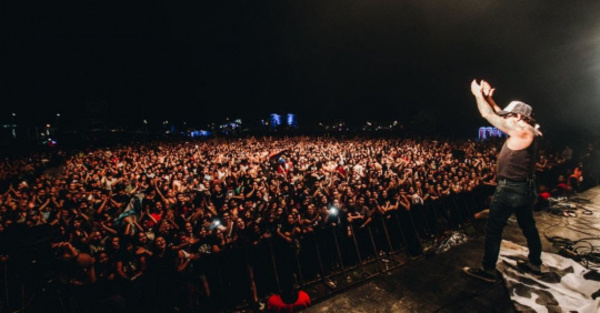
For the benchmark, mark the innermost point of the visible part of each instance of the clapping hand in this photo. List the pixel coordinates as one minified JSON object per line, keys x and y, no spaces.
{"x":476,"y":89}
{"x":486,"y":89}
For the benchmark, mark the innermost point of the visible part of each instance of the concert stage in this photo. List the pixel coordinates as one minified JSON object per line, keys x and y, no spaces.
{"x":437,"y":283}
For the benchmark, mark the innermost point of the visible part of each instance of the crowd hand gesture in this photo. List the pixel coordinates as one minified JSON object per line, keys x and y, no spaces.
{"x":127,"y":220}
{"x":142,"y":250}
{"x":193,"y":256}
{"x":69,"y":251}
{"x":387,"y":206}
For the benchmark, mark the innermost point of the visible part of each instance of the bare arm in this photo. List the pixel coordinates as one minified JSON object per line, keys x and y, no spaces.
{"x":161,"y":195}
{"x":488,"y":92}
{"x":102,"y":206}
{"x":182,"y":262}
{"x":482,"y":94}
{"x":367,"y":221}
{"x":486,"y":109}
{"x":283,"y":236}
{"x":150,"y":217}
{"x":108,"y":229}
{"x":44,"y":205}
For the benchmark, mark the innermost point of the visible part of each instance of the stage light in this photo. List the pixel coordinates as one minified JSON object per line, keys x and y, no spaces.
{"x":275,"y":120}
{"x":291,"y":120}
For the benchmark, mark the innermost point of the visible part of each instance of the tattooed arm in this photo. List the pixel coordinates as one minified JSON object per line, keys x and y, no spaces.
{"x":514,"y":127}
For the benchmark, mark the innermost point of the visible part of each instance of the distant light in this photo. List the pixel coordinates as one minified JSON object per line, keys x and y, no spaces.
{"x":47,"y":125}
{"x":291,"y":119}
{"x":57,"y":114}
{"x":275,"y":119}
{"x":14,"y":114}
{"x":145,"y":122}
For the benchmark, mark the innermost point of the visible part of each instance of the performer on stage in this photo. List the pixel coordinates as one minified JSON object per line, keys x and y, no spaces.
{"x":516,"y":191}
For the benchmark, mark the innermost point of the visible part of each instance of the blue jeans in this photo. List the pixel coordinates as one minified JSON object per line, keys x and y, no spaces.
{"x":517,"y":197}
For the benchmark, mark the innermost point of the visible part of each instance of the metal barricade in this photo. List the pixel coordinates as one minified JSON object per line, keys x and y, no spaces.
{"x":329,"y":258}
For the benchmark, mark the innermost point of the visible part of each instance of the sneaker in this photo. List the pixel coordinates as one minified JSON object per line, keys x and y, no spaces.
{"x":481,"y":274}
{"x":527,"y":267}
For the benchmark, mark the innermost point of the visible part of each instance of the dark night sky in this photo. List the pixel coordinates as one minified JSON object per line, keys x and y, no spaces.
{"x":323,"y":59}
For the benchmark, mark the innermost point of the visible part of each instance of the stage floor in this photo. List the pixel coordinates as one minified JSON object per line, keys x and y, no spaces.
{"x":438,"y":284}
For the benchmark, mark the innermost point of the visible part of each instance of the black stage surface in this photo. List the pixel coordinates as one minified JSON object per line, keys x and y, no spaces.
{"x":437,"y":283}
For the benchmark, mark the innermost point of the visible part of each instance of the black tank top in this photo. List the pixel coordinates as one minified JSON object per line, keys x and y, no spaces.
{"x":517,"y":165}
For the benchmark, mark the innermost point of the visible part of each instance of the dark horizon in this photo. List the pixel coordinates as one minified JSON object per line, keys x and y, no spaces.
{"x":325,"y":61}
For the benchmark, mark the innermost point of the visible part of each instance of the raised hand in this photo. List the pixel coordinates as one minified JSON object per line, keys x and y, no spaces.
{"x":487,"y":90}
{"x":476,"y":89}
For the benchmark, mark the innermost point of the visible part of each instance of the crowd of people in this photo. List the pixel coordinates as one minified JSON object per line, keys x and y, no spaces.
{"x":183,"y":225}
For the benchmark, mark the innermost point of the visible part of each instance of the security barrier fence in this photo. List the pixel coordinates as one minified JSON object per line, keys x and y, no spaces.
{"x":327,"y":260}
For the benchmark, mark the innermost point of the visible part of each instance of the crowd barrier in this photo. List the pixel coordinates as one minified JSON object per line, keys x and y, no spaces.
{"x":328,"y":260}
